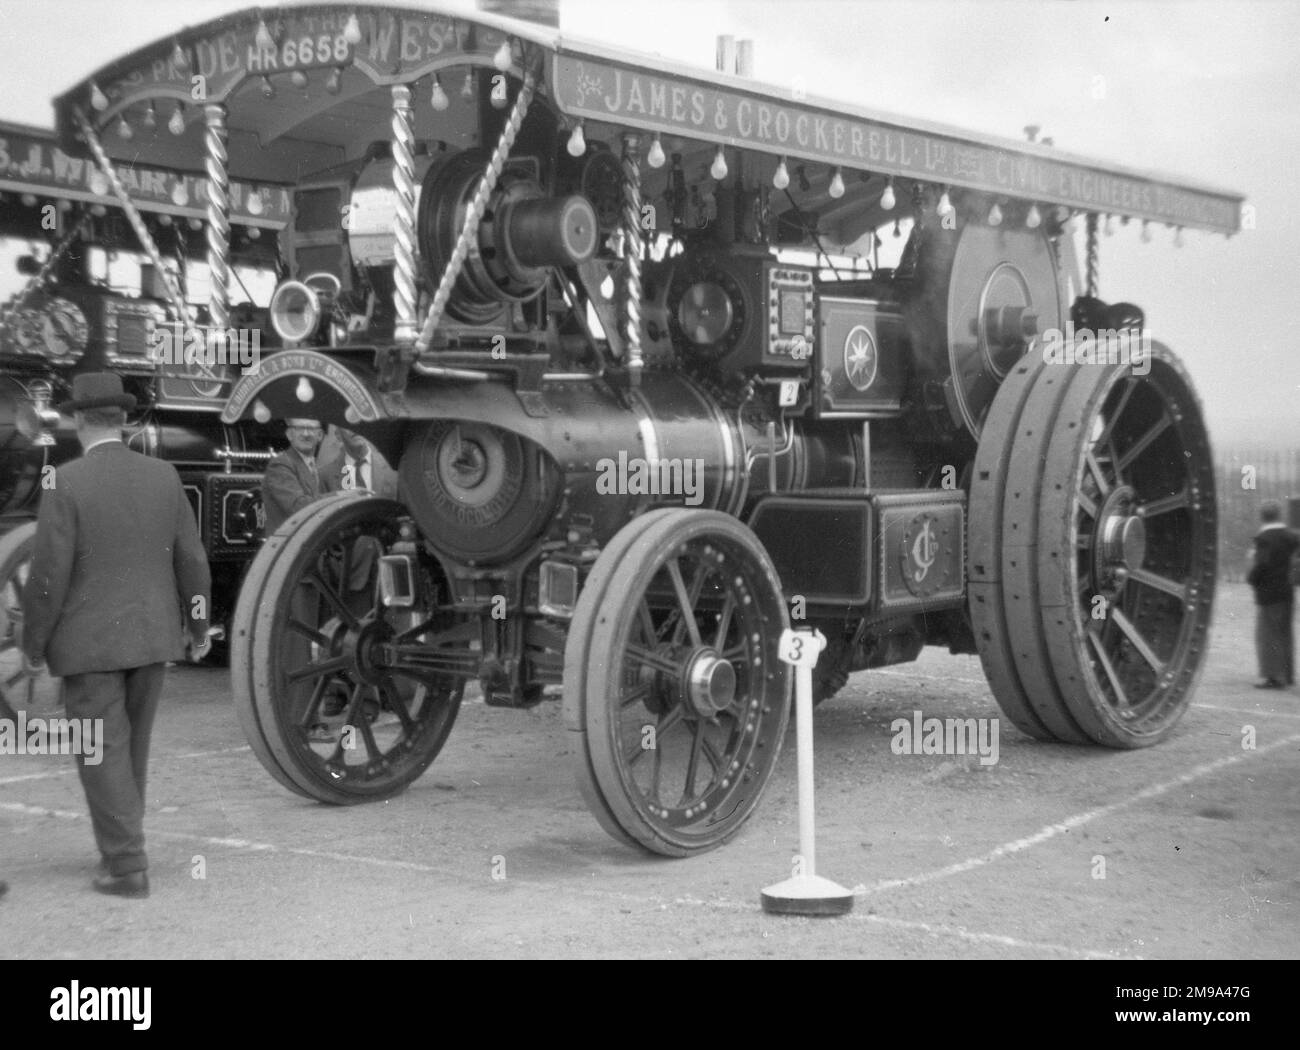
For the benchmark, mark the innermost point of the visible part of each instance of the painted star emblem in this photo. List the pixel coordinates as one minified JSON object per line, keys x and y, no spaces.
{"x":860,"y":357}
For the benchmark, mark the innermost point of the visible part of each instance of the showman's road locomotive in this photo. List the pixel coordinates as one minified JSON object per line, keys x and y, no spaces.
{"x":600,"y":313}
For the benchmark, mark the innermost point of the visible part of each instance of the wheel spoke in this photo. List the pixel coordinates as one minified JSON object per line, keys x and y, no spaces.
{"x":685,"y":602}
{"x":1086,"y":504}
{"x":1142,"y":443}
{"x":1178,"y":501}
{"x":1102,"y":658}
{"x":322,"y":667}
{"x":335,"y":602}
{"x":1158,"y":582}
{"x":668,"y":721}
{"x":307,"y":632}
{"x":653,"y":660}
{"x":724,"y":621}
{"x":715,"y":760}
{"x":1103,"y":486}
{"x":398,"y":706}
{"x":647,"y":622}
{"x":1104,"y":437}
{"x":309,"y":713}
{"x":1130,"y":631}
{"x":638,"y":694}
{"x":692,"y":765}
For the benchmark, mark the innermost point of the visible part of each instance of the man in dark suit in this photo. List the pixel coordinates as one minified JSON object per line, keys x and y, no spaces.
{"x":292,"y":480}
{"x":118,"y":578}
{"x":358,"y":466}
{"x":1270,"y":576}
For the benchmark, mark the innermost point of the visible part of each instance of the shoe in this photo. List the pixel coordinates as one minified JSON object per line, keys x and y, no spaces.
{"x":133,"y":884}
{"x":1270,"y":684}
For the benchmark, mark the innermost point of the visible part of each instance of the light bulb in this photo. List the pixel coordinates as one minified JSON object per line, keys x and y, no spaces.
{"x":97,"y":98}
{"x":335,"y":81}
{"x":64,"y":205}
{"x":29,"y":200}
{"x":264,"y":40}
{"x":176,"y":122}
{"x":897,"y":232}
{"x":151,"y":116}
{"x":438,"y":99}
{"x":1034,"y":219}
{"x":995,"y":215}
{"x":164,"y":219}
{"x":781,"y":177}
{"x":299,"y":78}
{"x":98,"y":211}
{"x":98,"y":184}
{"x":351,"y":415}
{"x":887,"y":199}
{"x":254,"y":234}
{"x":503,"y":57}
{"x":181,"y":60}
{"x":180,"y":195}
{"x":255,"y":202}
{"x":124,"y":129}
{"x":268,"y":89}
{"x":655,"y":155}
{"x":352,"y":31}
{"x":945,"y":205}
{"x":303,"y":391}
{"x":467,"y":88}
{"x":196,"y":224}
{"x":260,"y":412}
{"x":577,"y":144}
{"x":718,"y":169}
{"x":836,"y":188}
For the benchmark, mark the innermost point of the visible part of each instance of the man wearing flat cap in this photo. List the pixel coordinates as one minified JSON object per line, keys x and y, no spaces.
{"x":292,"y":479}
{"x":118,"y":579}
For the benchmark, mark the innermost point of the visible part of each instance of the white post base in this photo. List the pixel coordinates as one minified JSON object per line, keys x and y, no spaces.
{"x":807,"y":895}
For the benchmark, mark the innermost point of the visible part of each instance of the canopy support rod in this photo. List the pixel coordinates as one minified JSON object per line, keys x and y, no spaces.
{"x":214,"y":139}
{"x":404,"y":330}
{"x":1092,"y":257}
{"x":133,"y":215}
{"x":469,"y":234}
{"x":633,"y":245}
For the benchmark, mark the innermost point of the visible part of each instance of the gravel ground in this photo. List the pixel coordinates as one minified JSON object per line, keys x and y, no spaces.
{"x":492,"y":852}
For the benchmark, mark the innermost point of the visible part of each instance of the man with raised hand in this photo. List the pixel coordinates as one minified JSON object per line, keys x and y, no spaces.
{"x":292,"y":479}
{"x":118,"y":579}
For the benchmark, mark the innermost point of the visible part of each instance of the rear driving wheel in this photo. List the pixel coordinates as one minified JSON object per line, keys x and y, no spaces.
{"x":1127,"y":550}
{"x":673,"y":687}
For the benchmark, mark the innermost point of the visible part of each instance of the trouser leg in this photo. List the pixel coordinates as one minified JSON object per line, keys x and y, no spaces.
{"x":123,"y":704}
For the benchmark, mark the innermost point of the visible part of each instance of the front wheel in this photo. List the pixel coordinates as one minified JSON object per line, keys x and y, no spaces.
{"x":342,"y":699}
{"x":674,"y":693}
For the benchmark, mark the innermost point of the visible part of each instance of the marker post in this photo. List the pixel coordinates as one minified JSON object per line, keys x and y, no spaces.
{"x":806,"y":893}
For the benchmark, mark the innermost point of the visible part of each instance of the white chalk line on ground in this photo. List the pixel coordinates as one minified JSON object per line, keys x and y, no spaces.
{"x":249,"y":846}
{"x":1249,"y":711}
{"x":1075,"y":821}
{"x":161,"y":759}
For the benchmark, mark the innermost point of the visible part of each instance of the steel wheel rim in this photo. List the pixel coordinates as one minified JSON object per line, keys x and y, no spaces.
{"x":1145,"y":463}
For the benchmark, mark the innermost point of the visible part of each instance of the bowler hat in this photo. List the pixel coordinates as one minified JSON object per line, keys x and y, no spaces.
{"x":97,"y":390}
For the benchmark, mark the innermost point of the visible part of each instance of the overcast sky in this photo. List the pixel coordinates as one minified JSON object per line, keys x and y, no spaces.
{"x":1205,"y":90}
